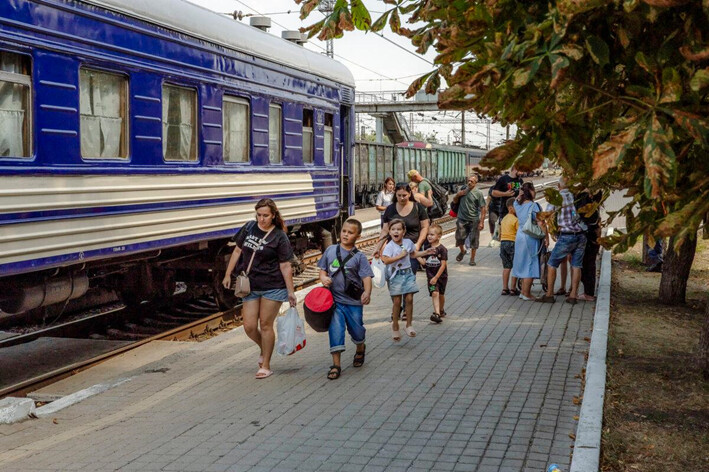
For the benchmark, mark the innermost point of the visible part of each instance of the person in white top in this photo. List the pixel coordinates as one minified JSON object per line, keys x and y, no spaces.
{"x":385,"y":197}
{"x":397,"y":256}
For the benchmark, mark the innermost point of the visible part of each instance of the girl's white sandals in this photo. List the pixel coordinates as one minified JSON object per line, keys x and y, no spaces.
{"x":409,"y":330}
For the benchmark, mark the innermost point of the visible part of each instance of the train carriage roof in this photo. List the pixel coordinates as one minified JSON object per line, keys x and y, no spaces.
{"x":193,"y":20}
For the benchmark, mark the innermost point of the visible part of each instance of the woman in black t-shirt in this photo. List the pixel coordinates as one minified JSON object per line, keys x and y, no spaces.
{"x":270,"y":277}
{"x":414,"y":216}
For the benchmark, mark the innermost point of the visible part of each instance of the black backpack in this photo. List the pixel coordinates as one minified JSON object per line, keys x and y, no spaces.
{"x":440,"y":200}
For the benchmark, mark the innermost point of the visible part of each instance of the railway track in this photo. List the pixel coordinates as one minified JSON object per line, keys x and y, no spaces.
{"x":183,"y":321}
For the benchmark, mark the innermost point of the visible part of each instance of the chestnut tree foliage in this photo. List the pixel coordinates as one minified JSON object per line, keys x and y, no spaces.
{"x":616,"y":92}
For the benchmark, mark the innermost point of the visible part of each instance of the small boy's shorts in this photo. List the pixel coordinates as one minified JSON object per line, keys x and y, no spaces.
{"x":439,"y":287}
{"x":507,"y":253}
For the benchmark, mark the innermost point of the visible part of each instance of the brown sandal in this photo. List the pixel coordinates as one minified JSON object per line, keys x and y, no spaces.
{"x":334,"y":372}
{"x":359,"y":357}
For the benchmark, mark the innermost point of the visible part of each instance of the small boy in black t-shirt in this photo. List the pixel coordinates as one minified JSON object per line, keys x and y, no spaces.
{"x":436,"y":271}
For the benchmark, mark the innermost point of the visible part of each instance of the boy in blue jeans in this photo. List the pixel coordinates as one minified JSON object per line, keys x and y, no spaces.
{"x":339,"y":263}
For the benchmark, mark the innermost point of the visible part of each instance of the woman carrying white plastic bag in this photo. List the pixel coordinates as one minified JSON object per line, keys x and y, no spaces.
{"x":291,"y":333}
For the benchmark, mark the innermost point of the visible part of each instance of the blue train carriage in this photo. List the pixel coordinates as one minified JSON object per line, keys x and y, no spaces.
{"x":136,"y":137}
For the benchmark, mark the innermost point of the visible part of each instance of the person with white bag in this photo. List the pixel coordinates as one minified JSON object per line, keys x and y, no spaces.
{"x":266,"y":259}
{"x":348,"y":275}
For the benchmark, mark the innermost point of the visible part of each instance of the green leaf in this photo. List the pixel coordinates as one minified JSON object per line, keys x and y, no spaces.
{"x":360,"y":15}
{"x":700,"y":80}
{"x":381,"y":22}
{"x":612,"y":152}
{"x":553,"y":196}
{"x":521,"y":77}
{"x":598,"y":49}
{"x":574,"y":51}
{"x":558,"y":63}
{"x":660,"y":160}
{"x":671,"y":86}
{"x":646,"y":63}
{"x":395,"y":21}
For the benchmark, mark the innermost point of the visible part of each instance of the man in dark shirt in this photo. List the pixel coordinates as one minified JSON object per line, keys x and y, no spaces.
{"x":507,"y":186}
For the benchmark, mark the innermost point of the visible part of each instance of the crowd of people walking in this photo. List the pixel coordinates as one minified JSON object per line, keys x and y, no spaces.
{"x":408,"y":241}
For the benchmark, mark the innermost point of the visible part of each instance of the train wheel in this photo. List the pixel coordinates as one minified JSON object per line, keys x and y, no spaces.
{"x":224,"y":298}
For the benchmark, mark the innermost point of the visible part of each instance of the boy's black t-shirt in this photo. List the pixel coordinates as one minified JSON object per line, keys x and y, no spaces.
{"x":265,"y":271}
{"x":433,"y":262}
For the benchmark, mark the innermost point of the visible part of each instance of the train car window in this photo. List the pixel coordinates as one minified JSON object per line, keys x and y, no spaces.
{"x":15,"y":109}
{"x":236,"y":129}
{"x":275,"y":134}
{"x":308,"y":136}
{"x":329,"y":141}
{"x":103,"y":107}
{"x":179,"y":133}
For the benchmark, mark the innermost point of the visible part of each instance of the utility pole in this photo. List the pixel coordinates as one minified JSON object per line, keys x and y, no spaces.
{"x":326,"y":7}
{"x":488,"y":134}
{"x":462,"y":128}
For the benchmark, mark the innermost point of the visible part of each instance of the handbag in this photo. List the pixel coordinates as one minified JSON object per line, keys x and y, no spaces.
{"x":242,"y":284}
{"x":532,"y":229}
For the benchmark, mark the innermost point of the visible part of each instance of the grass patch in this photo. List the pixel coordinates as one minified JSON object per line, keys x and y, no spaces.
{"x":656,"y":412}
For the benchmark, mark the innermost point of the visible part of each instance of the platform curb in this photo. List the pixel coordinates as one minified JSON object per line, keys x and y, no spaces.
{"x":587,"y":447}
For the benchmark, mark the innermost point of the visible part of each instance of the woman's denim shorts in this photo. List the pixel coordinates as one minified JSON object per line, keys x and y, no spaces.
{"x":403,"y":282}
{"x":276,"y":294}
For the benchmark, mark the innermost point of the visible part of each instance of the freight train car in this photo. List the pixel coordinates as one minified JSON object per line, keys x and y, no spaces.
{"x":136,"y":137}
{"x":445,"y":165}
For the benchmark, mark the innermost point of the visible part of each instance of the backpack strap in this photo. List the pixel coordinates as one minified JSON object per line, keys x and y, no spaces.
{"x":352,"y":253}
{"x":263,"y":240}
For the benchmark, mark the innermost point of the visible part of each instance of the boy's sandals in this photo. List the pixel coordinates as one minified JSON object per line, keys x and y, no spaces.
{"x":410,"y":332}
{"x":263,"y":373}
{"x":460,"y":256}
{"x":505,"y":291}
{"x":396,"y":334}
{"x":546,"y":299}
{"x":571,"y":300}
{"x":359,"y":357}
{"x":334,"y":372}
{"x":436,"y":318}
{"x":561,"y":291}
{"x":443,"y":313}
{"x":515,"y":293}
{"x":472,"y":263}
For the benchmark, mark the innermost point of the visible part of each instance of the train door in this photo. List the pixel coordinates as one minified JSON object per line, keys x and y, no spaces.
{"x":346,"y":162}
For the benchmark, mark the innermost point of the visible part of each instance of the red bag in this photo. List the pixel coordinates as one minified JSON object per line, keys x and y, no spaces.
{"x":319,"y":307}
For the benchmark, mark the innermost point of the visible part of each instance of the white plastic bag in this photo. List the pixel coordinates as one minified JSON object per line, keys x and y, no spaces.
{"x":380,"y":270}
{"x":291,"y":333}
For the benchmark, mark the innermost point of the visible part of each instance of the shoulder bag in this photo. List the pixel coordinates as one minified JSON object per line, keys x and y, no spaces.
{"x":354,"y":288}
{"x":532,"y":229}
{"x":242,"y":285}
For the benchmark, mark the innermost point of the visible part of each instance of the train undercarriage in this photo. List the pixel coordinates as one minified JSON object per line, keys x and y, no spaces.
{"x":197,"y":268}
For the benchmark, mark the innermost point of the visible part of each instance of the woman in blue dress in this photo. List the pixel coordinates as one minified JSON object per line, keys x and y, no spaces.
{"x":526,"y":260}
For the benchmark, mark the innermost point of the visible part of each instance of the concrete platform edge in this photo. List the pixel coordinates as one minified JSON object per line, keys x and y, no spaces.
{"x":587,"y":448}
{"x":76,"y":397}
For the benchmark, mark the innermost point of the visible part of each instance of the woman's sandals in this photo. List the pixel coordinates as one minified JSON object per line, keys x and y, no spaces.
{"x":359,"y":357}
{"x":334,"y":372}
{"x":410,"y":332}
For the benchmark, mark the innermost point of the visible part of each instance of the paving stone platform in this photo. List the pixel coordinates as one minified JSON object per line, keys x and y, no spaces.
{"x":490,"y":389}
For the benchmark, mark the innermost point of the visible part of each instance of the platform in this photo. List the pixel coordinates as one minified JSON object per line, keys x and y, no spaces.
{"x":490,"y":389}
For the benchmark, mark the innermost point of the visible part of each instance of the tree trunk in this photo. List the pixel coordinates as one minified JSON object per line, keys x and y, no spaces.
{"x":675,"y":271}
{"x":703,"y":355}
